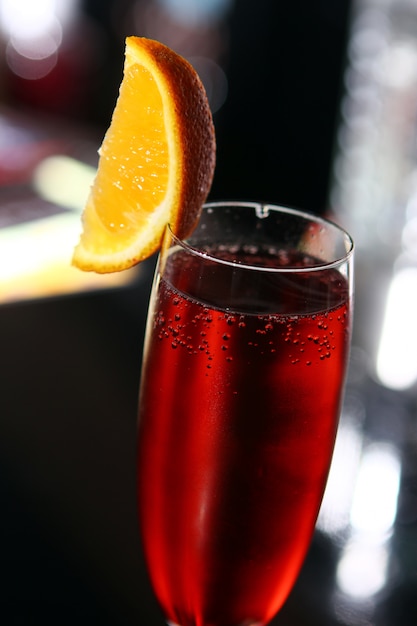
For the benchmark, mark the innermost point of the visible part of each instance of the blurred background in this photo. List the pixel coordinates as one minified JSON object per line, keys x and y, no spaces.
{"x":315,"y":106}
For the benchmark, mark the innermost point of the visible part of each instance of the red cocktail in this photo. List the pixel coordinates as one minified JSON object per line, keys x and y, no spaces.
{"x":245,"y":359}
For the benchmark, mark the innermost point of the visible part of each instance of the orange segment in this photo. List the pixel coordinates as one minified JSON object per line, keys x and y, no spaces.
{"x":156,"y":162}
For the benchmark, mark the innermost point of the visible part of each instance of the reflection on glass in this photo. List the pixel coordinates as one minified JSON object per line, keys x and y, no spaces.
{"x":396,"y":359}
{"x":363,"y":567}
{"x":335,"y":509}
{"x":375,"y":499}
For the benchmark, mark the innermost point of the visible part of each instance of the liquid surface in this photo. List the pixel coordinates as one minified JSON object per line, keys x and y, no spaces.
{"x":238,"y":415}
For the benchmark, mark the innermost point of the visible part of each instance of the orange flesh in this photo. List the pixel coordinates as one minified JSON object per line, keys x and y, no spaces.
{"x":145,"y":169}
{"x":156,"y":161}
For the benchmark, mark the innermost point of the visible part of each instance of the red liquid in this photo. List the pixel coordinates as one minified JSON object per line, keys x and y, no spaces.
{"x":238,"y":416}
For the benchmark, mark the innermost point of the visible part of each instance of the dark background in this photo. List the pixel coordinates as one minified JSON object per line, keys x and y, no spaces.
{"x":71,"y":365}
{"x":284,"y":63}
{"x":277,"y":129}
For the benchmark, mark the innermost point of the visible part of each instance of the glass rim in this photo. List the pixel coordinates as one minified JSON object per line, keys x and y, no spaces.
{"x":261,"y":209}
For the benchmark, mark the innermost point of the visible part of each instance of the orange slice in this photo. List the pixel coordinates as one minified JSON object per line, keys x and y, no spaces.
{"x":156,"y":161}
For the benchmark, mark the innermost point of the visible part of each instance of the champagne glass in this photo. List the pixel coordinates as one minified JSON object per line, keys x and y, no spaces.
{"x":244,"y":363}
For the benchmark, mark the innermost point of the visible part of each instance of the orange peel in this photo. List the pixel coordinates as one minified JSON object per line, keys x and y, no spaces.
{"x":156,"y":162}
